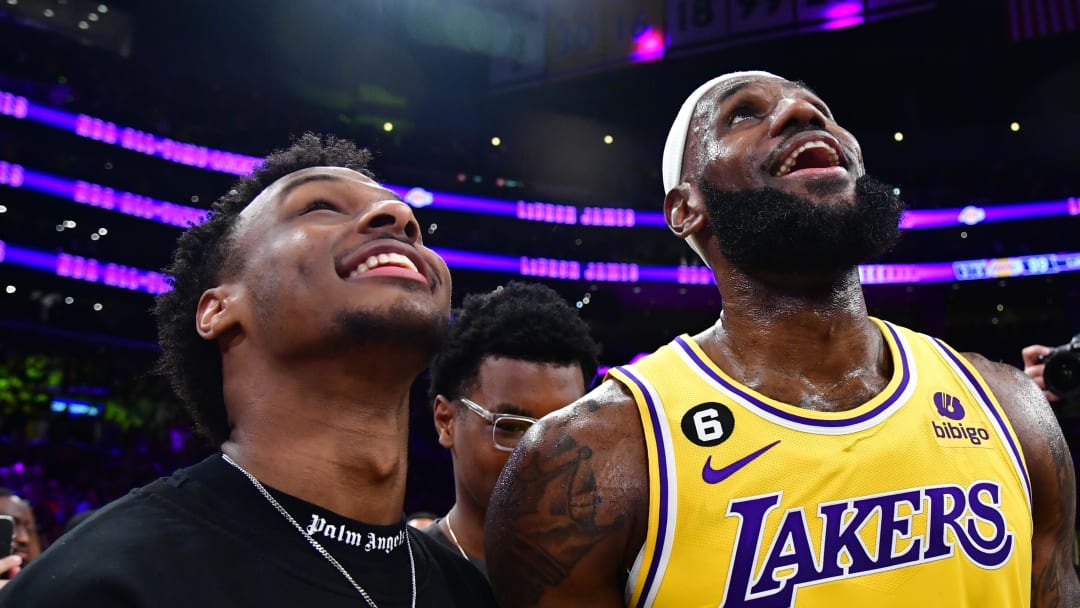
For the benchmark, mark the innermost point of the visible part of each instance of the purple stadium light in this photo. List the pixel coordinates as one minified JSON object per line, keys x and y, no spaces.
{"x":603,"y":369}
{"x":135,"y":279}
{"x":101,"y":196}
{"x":27,"y":258}
{"x":11,"y":174}
{"x":239,"y":164}
{"x":472,"y":260}
{"x":844,"y":14}
{"x":181,"y":215}
{"x":840,"y":10}
{"x":85,"y":269}
{"x":649,"y":45}
{"x":596,"y":271}
{"x":13,"y":105}
{"x":115,"y":275}
{"x":55,"y":118}
{"x":153,"y":145}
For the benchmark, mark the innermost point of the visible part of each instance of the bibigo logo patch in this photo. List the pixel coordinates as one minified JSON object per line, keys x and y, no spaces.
{"x":950,"y":431}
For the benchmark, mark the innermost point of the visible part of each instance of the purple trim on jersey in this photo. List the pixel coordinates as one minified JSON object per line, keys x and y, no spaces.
{"x":661,"y":454}
{"x":993,"y":410}
{"x":775,"y":411}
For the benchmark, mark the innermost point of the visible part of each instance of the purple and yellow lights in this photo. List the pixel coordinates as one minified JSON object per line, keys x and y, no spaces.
{"x":1022,"y":266}
{"x":228,"y":162}
{"x":128,"y":138}
{"x":588,"y":216}
{"x":971,"y":214}
{"x":13,"y":105}
{"x":137,"y":205}
{"x":113,"y":275}
{"x":547,"y":212}
{"x":418,"y":198}
{"x":85,"y":269}
{"x":167,"y":149}
{"x":11,"y":174}
{"x":649,"y":41}
{"x":649,"y":45}
{"x":599,"y":272}
{"x":549,"y":268}
{"x":148,"y":281}
{"x":844,"y":14}
{"x":694,"y":275}
{"x":181,"y":215}
{"x":103,"y":197}
{"x":619,"y":217}
{"x":612,"y":272}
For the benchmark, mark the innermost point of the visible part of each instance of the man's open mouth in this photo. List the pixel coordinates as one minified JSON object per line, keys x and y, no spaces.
{"x":808,"y":153}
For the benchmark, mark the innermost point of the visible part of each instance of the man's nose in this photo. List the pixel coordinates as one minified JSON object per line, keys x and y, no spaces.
{"x":390,"y":216}
{"x":796,"y":114}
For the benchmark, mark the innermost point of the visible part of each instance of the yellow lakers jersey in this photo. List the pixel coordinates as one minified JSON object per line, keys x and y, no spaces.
{"x":919,"y":497}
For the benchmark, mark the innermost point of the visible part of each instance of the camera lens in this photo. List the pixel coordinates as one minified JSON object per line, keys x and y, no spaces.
{"x":1062,"y":374}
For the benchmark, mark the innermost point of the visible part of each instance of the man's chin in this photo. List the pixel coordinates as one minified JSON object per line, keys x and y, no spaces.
{"x":827,"y":230}
{"x":420,"y":326}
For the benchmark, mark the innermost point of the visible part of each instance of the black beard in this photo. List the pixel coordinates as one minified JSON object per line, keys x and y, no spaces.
{"x":771,"y":231}
{"x":421,"y":332}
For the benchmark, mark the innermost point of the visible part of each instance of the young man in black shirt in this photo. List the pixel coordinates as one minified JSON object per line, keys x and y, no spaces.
{"x":301,"y":312}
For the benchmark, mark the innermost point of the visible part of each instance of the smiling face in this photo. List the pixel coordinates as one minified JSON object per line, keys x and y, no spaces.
{"x":327,"y":253}
{"x":782,"y":184}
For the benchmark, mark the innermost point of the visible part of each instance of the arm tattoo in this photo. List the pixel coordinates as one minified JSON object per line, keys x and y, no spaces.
{"x":551,"y":517}
{"x":1049,"y":587}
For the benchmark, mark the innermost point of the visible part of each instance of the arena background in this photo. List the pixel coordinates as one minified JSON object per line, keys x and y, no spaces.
{"x":122,"y":121}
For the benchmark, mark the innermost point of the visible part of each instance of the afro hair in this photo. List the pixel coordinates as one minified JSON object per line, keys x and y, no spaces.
{"x":524,"y":321}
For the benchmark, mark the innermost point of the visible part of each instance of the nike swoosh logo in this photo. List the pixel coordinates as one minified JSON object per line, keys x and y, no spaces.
{"x":711,"y":475}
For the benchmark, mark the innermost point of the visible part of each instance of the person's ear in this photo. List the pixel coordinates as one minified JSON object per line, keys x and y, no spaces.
{"x":217,"y":311}
{"x":684,"y":211}
{"x":445,"y":416}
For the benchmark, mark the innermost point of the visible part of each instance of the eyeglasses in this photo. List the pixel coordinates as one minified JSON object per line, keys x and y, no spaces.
{"x":506,"y":429}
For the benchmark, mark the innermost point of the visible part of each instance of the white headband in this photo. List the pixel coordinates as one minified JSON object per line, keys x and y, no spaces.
{"x":671,"y":170}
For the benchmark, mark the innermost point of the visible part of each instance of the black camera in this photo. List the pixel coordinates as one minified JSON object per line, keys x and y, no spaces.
{"x":1062,"y":372}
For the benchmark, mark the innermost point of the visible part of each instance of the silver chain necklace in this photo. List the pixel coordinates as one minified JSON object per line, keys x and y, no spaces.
{"x":453,"y":536}
{"x":318,"y":547}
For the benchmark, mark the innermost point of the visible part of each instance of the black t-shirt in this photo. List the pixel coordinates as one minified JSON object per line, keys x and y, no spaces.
{"x":206,"y":537}
{"x":435,"y":532}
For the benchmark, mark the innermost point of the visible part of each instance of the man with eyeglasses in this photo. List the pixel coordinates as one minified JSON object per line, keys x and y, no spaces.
{"x":512,"y":356}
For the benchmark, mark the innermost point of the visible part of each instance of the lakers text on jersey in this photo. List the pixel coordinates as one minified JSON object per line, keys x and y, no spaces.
{"x":919,"y":497}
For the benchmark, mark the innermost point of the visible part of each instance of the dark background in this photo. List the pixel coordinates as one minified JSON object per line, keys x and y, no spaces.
{"x":244,"y":75}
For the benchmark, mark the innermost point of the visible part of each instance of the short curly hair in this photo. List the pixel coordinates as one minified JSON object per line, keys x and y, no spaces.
{"x":203,"y":258}
{"x":525,"y":321}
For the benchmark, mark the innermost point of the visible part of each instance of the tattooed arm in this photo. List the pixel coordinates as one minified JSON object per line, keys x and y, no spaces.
{"x":1053,"y":485}
{"x":568,"y":515}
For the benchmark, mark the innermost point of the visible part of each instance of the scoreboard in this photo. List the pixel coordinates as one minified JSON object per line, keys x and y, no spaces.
{"x":553,"y":39}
